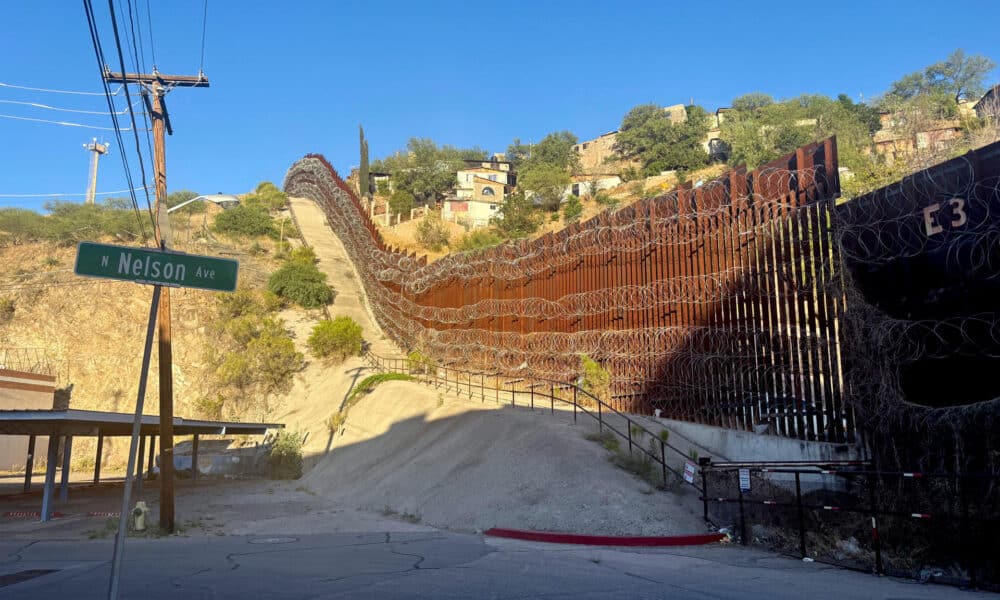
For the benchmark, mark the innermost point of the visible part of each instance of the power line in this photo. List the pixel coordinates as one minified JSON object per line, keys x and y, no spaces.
{"x":67,"y":195}
{"x":128,"y":99}
{"x":149,"y":22}
{"x":57,"y":108}
{"x":34,"y":89}
{"x":99,"y":55}
{"x":204,"y":26}
{"x":64,"y":123}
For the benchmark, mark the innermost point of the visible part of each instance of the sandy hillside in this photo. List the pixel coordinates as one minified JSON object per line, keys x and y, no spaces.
{"x":406,"y":449}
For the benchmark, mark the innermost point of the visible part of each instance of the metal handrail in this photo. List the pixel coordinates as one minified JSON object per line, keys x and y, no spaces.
{"x":405,"y":365}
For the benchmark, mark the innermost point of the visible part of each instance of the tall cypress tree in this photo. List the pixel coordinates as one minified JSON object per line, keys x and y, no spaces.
{"x":364,"y":181}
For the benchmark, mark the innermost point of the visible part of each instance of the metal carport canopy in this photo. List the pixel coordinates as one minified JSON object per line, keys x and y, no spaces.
{"x":92,"y":423}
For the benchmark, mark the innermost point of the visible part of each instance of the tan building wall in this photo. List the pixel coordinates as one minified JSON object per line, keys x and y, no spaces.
{"x":20,"y":391}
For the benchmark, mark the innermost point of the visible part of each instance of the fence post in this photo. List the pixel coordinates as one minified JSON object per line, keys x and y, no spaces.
{"x":802,"y":520}
{"x":531,"y":387}
{"x":600,"y":418}
{"x":704,"y":493}
{"x":628,"y":424}
{"x":876,"y":541}
{"x":574,"y":404}
{"x":743,"y":521}
{"x":552,"y":398}
{"x":663,"y":461}
{"x":482,"y":387}
{"x":970,"y":550}
{"x":497,"y":388}
{"x":513,"y":394}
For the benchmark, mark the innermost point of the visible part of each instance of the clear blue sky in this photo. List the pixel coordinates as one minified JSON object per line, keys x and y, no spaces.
{"x":289,"y":78}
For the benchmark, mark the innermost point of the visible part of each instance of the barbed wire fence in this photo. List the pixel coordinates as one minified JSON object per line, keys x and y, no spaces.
{"x":742,"y":303}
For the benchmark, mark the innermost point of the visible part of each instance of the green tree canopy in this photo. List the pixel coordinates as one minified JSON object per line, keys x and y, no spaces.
{"x":555,"y":150}
{"x":648,"y":135}
{"x":518,"y":217}
{"x":763,"y":133}
{"x":751,"y":101}
{"x":548,"y":181}
{"x":935,"y":91}
{"x":425,"y":170}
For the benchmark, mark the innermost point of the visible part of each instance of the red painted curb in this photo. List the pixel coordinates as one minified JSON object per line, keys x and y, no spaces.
{"x":606,"y":540}
{"x":27,"y":514}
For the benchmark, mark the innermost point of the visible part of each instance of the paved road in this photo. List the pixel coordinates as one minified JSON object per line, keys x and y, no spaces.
{"x":434,"y":564}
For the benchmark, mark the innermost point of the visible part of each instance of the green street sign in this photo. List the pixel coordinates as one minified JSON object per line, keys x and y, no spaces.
{"x":146,"y":265}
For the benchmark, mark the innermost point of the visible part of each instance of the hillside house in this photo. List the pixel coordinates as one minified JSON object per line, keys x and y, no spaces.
{"x":583,"y":185}
{"x":483,"y":183}
{"x":898,"y":138}
{"x":470,"y":212}
{"x":988,"y":106}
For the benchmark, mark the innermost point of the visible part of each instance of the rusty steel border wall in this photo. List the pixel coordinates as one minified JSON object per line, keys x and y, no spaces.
{"x":717,"y":304}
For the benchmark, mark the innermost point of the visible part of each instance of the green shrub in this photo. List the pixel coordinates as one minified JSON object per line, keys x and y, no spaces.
{"x":335,"y":421}
{"x":338,"y":338}
{"x":285,"y":459}
{"x":432,"y":233}
{"x":605,"y":438}
{"x":401,"y":202}
{"x":267,"y":196}
{"x":301,"y":283}
{"x":304,"y":255}
{"x":478,"y":239}
{"x":210,"y":408}
{"x":368,"y":384}
{"x":596,"y":379}
{"x":240,"y":303}
{"x":572,"y":209}
{"x":7,"y":307}
{"x":419,"y":362}
{"x":273,"y":357}
{"x":68,"y":223}
{"x":245,"y":220}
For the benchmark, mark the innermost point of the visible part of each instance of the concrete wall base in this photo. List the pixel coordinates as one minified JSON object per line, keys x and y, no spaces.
{"x":730,"y":445}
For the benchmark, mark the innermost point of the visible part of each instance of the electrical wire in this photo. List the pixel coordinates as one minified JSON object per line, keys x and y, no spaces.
{"x":57,"y":108}
{"x":63,"y":123}
{"x":99,"y":55}
{"x":54,"y":91}
{"x":149,"y":23}
{"x":67,"y":195}
{"x":128,"y":98}
{"x":204,"y":27}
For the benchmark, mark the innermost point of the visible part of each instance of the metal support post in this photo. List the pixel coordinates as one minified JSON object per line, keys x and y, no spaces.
{"x":876,"y":540}
{"x":802,"y":518}
{"x":743,"y":521}
{"x":194,"y":458}
{"x":67,"y":455}
{"x":152,"y":451}
{"x":50,"y":476}
{"x":704,"y":494}
{"x":116,"y":561}
{"x":139,"y":462}
{"x":574,"y":404}
{"x":29,"y":463}
{"x":99,"y":456}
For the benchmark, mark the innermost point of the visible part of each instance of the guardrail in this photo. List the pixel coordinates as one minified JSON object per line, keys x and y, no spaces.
{"x":913,"y":520}
{"x":535,"y":391}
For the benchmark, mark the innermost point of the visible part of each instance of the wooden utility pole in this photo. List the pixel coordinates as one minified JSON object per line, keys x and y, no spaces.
{"x":157,"y":85}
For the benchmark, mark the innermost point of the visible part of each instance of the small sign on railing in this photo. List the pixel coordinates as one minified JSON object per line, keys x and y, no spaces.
{"x":744,"y":480}
{"x":689,"y":470}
